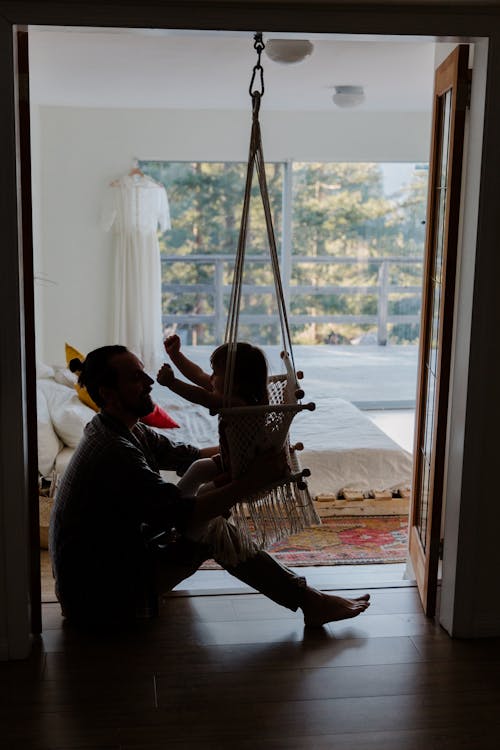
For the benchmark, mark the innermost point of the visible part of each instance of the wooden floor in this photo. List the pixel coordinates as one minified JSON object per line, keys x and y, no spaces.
{"x":237,"y":671}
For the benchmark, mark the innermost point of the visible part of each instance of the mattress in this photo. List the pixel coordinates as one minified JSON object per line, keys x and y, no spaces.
{"x":343,"y":448}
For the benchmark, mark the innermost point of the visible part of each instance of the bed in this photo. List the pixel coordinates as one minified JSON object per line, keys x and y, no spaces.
{"x":344,"y":450}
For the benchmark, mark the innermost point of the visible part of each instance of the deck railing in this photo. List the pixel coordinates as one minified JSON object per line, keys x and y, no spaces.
{"x":219,"y":292}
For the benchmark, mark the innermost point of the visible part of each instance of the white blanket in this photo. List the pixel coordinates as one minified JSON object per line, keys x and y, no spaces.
{"x":343,"y":448}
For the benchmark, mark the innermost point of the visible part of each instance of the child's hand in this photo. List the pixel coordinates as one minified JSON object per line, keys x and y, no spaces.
{"x":165,"y":375}
{"x":172,"y":345}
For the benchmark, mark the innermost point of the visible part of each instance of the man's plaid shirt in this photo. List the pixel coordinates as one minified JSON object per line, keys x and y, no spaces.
{"x":111,"y":487}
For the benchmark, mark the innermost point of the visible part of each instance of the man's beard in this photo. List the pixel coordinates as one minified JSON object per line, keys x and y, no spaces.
{"x":142,"y":407}
{"x":148,"y":405}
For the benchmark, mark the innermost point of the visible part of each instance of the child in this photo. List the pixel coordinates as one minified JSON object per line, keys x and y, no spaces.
{"x":249,"y":388}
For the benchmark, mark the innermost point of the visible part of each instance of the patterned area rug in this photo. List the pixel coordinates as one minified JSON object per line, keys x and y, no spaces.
{"x":343,"y":541}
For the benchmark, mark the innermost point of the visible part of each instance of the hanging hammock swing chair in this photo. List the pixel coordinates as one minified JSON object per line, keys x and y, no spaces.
{"x":286,"y":507}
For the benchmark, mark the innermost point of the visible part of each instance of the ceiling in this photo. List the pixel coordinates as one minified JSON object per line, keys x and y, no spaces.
{"x":211,"y":70}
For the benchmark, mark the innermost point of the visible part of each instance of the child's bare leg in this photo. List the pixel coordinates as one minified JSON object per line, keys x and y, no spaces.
{"x":200,"y":472}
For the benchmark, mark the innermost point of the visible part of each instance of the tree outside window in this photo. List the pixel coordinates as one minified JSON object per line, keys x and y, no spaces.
{"x":350,"y":240}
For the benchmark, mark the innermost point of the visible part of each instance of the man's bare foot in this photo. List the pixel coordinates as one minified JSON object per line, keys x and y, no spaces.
{"x":320,"y":608}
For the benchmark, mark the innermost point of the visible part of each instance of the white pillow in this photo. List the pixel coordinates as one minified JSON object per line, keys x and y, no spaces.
{"x":49,"y":444}
{"x":69,"y":416}
{"x":63,"y":459}
{"x":64,"y":376}
{"x":44,"y":371}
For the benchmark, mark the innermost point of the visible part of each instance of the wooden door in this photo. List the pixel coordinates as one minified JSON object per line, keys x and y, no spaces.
{"x":451,"y":85}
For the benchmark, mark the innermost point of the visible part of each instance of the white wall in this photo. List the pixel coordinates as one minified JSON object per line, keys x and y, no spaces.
{"x":36,"y":199}
{"x":82,"y":150}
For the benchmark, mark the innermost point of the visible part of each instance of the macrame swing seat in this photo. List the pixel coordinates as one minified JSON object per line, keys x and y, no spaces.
{"x":285,"y":507}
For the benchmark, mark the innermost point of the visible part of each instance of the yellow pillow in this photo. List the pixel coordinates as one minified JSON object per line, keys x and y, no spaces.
{"x":83,"y":394}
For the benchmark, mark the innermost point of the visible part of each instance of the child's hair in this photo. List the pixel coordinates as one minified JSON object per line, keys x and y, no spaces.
{"x":250,"y":371}
{"x":96,"y":370}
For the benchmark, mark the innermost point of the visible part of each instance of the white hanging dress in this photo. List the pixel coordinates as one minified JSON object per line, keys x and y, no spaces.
{"x":137,"y":207}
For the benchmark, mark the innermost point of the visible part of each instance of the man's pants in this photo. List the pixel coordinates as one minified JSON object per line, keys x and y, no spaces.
{"x":178,"y":560}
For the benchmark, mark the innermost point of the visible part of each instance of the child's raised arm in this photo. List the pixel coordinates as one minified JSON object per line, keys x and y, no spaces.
{"x":189,"y":369}
{"x":193,"y":393}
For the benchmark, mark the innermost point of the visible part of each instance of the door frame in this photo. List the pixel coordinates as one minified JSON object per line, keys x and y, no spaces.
{"x":450,"y":75}
{"x":26,"y":230}
{"x":378,"y":19}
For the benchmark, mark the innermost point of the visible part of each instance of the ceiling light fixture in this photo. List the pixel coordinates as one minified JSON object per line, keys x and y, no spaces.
{"x":348,"y":96}
{"x":288,"y":51}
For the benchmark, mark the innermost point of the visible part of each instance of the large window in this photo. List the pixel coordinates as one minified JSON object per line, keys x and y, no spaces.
{"x":351,"y":238}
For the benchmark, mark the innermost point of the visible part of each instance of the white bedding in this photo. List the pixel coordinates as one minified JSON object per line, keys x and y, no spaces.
{"x":343,"y":448}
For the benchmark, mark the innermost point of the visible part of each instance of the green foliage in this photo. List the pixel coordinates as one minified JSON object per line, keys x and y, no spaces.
{"x":339,"y":211}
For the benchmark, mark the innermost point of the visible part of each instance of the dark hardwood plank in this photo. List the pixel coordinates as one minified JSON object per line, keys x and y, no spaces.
{"x":400,"y":740}
{"x":291,"y":719}
{"x":418,"y":678}
{"x":238,"y":671}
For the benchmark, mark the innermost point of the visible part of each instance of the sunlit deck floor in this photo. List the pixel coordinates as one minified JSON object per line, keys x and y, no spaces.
{"x":371,"y":377}
{"x":381,"y":381}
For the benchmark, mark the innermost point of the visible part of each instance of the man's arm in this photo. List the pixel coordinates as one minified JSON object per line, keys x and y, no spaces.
{"x":266,"y":470}
{"x":161,"y":502}
{"x":189,"y":369}
{"x":168,"y":454}
{"x":171,"y":455}
{"x":128,"y":475}
{"x":209,"y":452}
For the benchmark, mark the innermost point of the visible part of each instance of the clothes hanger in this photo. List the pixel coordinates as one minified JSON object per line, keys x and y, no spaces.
{"x":135,"y":170}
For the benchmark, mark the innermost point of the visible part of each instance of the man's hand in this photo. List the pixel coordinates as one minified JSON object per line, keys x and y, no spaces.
{"x":269,"y":468}
{"x":172,"y":345}
{"x":165,"y":376}
{"x":217,"y":459}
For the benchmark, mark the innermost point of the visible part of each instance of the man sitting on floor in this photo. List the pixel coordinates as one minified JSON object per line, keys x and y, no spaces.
{"x":112,"y":490}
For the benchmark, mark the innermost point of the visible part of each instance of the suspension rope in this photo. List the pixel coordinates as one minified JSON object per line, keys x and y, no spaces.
{"x":255,"y":163}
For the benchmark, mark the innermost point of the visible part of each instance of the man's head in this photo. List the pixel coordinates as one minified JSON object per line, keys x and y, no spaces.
{"x":116,"y":381}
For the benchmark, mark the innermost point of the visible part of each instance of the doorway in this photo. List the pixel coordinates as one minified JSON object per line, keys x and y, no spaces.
{"x":48,"y":290}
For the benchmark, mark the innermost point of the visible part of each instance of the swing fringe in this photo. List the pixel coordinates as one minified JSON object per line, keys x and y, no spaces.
{"x":260,"y":521}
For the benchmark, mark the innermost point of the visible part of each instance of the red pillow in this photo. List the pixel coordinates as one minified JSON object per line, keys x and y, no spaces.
{"x":159,"y":418}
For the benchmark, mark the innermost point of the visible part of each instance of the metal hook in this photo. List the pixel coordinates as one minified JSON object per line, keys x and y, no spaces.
{"x":257,"y":69}
{"x":258,"y":43}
